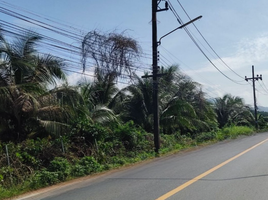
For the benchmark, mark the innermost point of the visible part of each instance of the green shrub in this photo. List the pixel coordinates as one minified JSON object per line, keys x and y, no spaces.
{"x":178,"y":146}
{"x":44,"y":178}
{"x":167,"y":140}
{"x":78,"y":170}
{"x":144,"y":156}
{"x":61,"y":166}
{"x":10,"y":176}
{"x":233,"y":132}
{"x":6,"y":193}
{"x":205,"y":137}
{"x":90,"y":132}
{"x":27,"y":159}
{"x":130,"y":135}
{"x":118,"y":161}
{"x":184,"y":140}
{"x":89,"y":165}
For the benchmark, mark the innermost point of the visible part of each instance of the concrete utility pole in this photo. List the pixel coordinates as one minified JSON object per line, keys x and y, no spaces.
{"x":155,"y":75}
{"x":155,"y":78}
{"x":254,"y":93}
{"x":155,"y":72}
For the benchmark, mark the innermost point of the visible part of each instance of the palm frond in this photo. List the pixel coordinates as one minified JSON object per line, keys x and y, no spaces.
{"x":26,"y":46}
{"x":102,"y":115}
{"x":53,"y":127}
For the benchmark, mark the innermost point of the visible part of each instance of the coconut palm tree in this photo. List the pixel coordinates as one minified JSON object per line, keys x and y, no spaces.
{"x":179,"y":100}
{"x":24,"y":76}
{"x":182,"y":99}
{"x":137,"y":105}
{"x":99,"y":98}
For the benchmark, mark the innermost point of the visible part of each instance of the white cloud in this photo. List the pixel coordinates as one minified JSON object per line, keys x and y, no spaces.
{"x":254,"y":50}
{"x":248,"y":52}
{"x":74,"y":78}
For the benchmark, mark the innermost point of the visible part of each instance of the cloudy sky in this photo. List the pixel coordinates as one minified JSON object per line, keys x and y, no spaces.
{"x":229,"y":38}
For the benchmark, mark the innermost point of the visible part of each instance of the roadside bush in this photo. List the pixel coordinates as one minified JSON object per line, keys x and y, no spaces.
{"x":37,"y":153}
{"x":7,"y":176}
{"x":130,"y":135}
{"x":87,"y":165}
{"x":5,"y":193}
{"x":28,"y":159}
{"x":44,"y":178}
{"x":89,"y":132}
{"x":61,"y":167}
{"x":104,"y":151}
{"x":14,"y":175}
{"x":78,"y":170}
{"x":118,"y":161}
{"x":205,"y":136}
{"x":183,"y":139}
{"x":39,"y":163}
{"x":168,"y":141}
{"x":58,"y":170}
{"x":233,"y":132}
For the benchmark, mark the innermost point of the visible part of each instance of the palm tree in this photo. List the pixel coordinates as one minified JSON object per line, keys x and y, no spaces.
{"x":179,"y":101}
{"x":231,"y":110}
{"x":24,"y":77}
{"x":207,"y":118}
{"x":99,"y":98}
{"x":193,"y":113}
{"x":178,"y":115}
{"x":137,"y":105}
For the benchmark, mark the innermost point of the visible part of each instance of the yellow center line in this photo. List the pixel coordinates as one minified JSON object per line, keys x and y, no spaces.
{"x":190,"y":182}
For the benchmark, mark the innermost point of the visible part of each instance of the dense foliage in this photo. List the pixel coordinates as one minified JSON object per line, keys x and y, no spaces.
{"x":51,"y":135}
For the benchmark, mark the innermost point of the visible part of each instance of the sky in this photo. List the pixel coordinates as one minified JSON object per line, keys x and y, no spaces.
{"x":234,"y":36}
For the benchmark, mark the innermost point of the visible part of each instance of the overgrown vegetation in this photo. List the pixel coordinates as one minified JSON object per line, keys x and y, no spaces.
{"x":39,"y":163}
{"x":52,"y":135}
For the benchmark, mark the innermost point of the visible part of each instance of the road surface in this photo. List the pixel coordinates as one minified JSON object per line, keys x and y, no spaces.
{"x":233,"y":170}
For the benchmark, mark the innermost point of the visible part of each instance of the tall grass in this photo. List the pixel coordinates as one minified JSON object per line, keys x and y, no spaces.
{"x":233,"y":132}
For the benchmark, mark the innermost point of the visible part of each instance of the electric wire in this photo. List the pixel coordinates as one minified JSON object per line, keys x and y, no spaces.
{"x":198,"y":46}
{"x":45,"y":18}
{"x":263,"y":87}
{"x":51,"y":42}
{"x":9,"y":12}
{"x":173,"y":57}
{"x":55,"y":29}
{"x":72,"y":36}
{"x":266,"y":89}
{"x":166,"y":63}
{"x":208,"y":42}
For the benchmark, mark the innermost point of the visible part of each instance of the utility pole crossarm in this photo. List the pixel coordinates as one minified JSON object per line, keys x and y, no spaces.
{"x":163,"y":9}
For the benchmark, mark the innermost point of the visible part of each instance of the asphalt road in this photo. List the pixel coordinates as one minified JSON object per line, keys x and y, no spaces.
{"x":232,"y":170}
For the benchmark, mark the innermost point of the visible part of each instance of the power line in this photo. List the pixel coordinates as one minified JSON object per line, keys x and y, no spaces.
{"x":208,"y":43}
{"x":263,"y":87}
{"x":42,"y":17}
{"x":18,"y":31}
{"x":197,"y":45}
{"x":199,"y":75}
{"x":51,"y":41}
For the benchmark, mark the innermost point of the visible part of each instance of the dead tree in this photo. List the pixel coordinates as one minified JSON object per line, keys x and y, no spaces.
{"x":110,"y":53}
